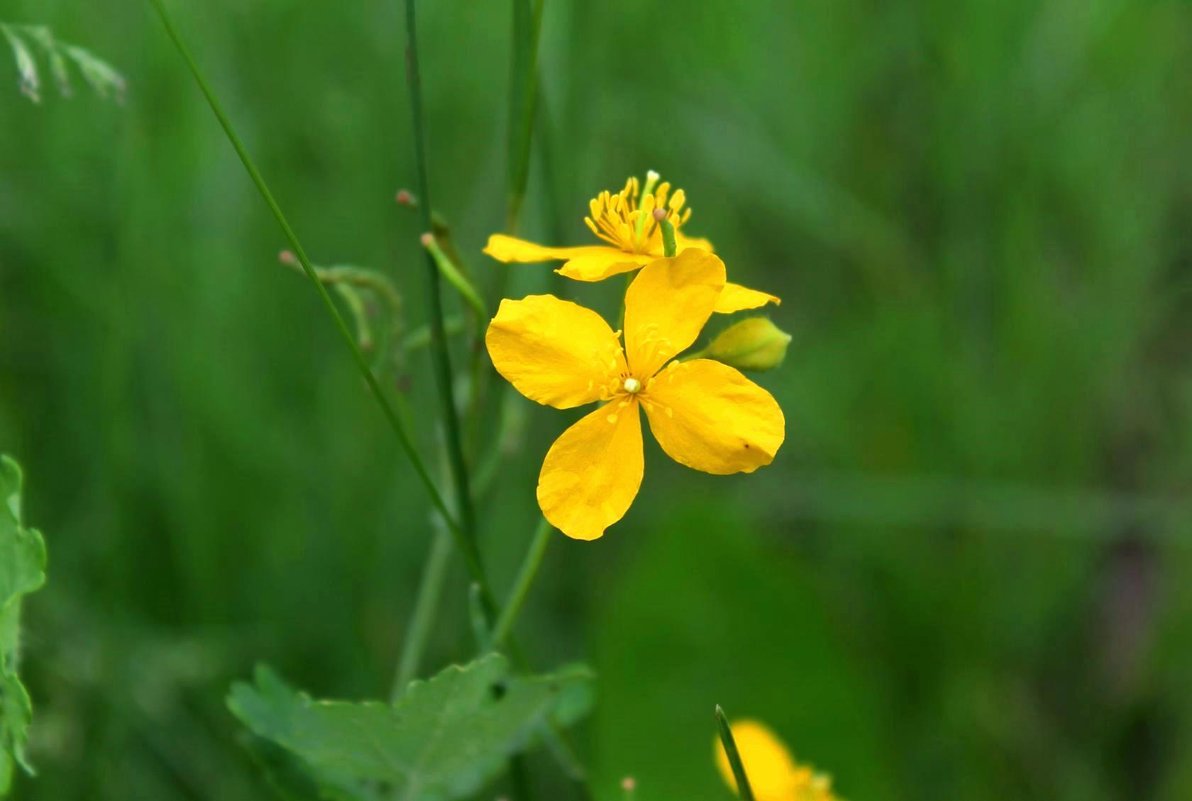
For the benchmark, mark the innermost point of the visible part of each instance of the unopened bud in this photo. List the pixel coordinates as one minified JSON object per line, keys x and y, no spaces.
{"x":628,"y":784}
{"x":287,"y":257}
{"x":427,"y":239}
{"x":752,"y":344}
{"x":659,"y":214}
{"x":404,"y":198}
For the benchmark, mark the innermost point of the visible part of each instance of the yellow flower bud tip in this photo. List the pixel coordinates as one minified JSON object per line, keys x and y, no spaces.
{"x":287,"y":258}
{"x":427,"y":240}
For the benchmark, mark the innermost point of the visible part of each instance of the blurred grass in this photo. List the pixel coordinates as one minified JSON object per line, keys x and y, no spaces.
{"x":976,"y":214}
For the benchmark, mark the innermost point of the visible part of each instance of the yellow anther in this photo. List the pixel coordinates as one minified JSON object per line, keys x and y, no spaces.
{"x":626,"y":221}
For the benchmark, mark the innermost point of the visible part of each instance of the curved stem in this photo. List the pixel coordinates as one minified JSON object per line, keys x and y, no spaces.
{"x":465,"y":543}
{"x":521,"y":587}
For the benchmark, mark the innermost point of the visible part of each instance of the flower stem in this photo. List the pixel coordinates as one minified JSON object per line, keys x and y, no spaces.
{"x":471,"y":556}
{"x":523,"y":96}
{"x":521,"y":587}
{"x":450,"y":271}
{"x":442,"y":357}
{"x":426,"y":607}
{"x":668,"y":238}
{"x":734,"y":756}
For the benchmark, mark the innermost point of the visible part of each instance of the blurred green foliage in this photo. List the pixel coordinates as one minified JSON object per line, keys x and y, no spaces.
{"x":967,"y":575}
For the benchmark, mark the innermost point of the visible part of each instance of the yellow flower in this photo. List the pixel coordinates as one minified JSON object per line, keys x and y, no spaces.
{"x":625,"y":221}
{"x":704,"y":414}
{"x":773,"y":773}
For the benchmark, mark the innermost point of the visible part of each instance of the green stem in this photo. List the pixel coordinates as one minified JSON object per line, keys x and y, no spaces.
{"x":668,"y":238}
{"x":442,"y":358}
{"x":426,"y":607}
{"x":354,"y":276}
{"x":465,"y":543}
{"x":734,"y":756}
{"x":521,"y":586}
{"x":455,"y":277}
{"x":523,"y":96}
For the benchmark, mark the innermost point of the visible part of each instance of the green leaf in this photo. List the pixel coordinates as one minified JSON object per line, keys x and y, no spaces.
{"x":442,"y":739}
{"x":22,"y":570}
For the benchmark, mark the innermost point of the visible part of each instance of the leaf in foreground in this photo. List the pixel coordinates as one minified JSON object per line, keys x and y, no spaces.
{"x":22,"y":570}
{"x":442,"y":739}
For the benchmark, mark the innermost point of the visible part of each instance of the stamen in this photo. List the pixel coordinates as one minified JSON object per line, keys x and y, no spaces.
{"x":628,"y":220}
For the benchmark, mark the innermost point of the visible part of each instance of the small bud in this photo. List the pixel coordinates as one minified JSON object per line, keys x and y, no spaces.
{"x":404,"y":198}
{"x":659,"y":214}
{"x":427,"y":239}
{"x":628,"y":784}
{"x":752,"y":344}
{"x":287,"y":257}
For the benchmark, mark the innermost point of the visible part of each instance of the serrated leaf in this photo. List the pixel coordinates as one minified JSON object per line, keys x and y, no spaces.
{"x":442,"y":739}
{"x":22,"y":570}
{"x":576,"y":697}
{"x":292,"y":780}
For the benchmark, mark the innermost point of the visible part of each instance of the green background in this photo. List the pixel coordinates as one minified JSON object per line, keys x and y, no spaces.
{"x":968,"y":574}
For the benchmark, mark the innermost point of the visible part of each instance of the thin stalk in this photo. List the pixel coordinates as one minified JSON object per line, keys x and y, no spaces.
{"x":521,"y":586}
{"x":734,"y":756}
{"x":438,"y":338}
{"x":668,"y":237}
{"x":523,"y":94}
{"x":463,"y":541}
{"x":523,"y":99}
{"x":426,"y":607}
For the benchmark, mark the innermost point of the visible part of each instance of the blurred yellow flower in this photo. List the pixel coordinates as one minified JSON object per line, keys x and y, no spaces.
{"x":704,"y":414}
{"x":625,"y":221}
{"x":773,"y":773}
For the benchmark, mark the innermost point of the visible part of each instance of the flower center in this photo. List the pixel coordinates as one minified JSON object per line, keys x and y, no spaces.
{"x":632,"y":385}
{"x":626,"y":219}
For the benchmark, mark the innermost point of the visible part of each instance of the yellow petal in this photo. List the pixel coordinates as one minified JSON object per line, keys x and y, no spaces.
{"x":708,"y":416}
{"x":583,"y":263}
{"x":767,"y":762}
{"x":736,"y":298}
{"x":592,"y":473}
{"x":683,"y":242}
{"x":554,"y":351}
{"x":511,"y":249}
{"x":667,"y":305}
{"x":601,"y":263}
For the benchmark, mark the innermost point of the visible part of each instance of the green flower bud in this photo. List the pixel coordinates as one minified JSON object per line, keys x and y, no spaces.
{"x":752,"y":344}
